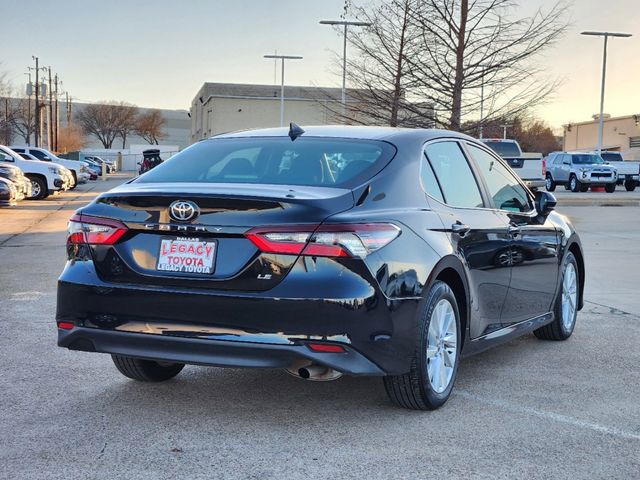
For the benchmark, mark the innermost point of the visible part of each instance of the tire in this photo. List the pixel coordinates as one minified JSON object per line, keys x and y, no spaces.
{"x":574,"y":183}
{"x":584,"y":188}
{"x":549,"y":184}
{"x":38,"y":187}
{"x":415,"y":389}
{"x":564,"y":320}
{"x":146,"y":370}
{"x":630,"y":186}
{"x":610,"y":188}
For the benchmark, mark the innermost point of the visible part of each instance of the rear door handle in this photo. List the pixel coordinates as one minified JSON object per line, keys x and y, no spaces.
{"x":460,"y":228}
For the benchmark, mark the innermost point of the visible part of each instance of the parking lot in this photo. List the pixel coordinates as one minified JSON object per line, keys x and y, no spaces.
{"x":528,"y":409}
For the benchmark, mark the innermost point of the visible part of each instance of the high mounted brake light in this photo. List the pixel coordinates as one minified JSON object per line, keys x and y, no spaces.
{"x":337,"y":240}
{"x":84,"y":229}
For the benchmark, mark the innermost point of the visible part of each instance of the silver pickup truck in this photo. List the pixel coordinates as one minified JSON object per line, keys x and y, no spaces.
{"x":578,"y":171}
{"x":528,"y":166}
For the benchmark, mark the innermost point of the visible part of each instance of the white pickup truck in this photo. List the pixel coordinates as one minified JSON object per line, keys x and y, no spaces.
{"x":628,"y":172}
{"x":528,"y":166}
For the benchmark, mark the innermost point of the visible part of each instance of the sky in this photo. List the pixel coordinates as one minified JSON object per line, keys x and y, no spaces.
{"x":158,"y":53}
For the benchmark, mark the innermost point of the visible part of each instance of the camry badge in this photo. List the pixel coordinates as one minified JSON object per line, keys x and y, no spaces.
{"x":183,"y":210}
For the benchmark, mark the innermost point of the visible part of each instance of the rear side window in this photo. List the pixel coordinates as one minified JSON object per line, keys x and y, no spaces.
{"x":455,"y":177}
{"x":429,"y":181}
{"x":278,"y":161}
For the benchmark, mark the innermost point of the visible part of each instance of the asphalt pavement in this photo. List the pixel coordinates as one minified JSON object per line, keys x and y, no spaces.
{"x":528,"y":409}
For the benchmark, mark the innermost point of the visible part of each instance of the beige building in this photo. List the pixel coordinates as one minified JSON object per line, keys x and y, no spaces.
{"x":224,"y":107}
{"x":620,"y":134}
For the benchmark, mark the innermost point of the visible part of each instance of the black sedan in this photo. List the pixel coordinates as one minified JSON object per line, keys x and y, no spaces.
{"x":355,"y":250}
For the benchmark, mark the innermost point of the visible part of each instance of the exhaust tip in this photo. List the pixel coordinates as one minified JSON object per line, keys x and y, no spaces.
{"x":304,"y":373}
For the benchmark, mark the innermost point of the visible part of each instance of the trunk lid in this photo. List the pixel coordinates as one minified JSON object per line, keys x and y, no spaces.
{"x":224,"y":213}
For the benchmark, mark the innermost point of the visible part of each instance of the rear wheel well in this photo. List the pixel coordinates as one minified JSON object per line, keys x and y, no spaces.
{"x":575,"y":249}
{"x":452,"y":278}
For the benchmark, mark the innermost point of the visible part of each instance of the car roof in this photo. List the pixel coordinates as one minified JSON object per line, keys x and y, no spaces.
{"x":344,"y":131}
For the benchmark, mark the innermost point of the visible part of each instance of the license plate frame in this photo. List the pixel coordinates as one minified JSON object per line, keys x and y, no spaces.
{"x":201,"y":263}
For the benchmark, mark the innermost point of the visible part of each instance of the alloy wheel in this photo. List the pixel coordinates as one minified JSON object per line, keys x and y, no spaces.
{"x":442,"y":345}
{"x":569,"y":296}
{"x":35,"y":189}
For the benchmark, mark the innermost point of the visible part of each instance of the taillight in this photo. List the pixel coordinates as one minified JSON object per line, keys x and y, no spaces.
{"x":337,"y":240}
{"x":544,"y":168}
{"x":84,"y":229}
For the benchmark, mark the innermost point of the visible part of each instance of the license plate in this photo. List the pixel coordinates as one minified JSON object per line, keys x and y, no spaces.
{"x":186,"y":255}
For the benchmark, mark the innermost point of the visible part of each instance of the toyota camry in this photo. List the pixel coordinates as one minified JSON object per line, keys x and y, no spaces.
{"x":323,"y":251}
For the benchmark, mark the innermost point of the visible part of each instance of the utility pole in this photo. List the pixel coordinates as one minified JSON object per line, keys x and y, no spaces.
{"x":7,"y":140}
{"x":282,"y":58}
{"x":37,"y":111}
{"x":29,"y":91}
{"x":345,"y":24}
{"x":56,"y":116}
{"x":606,"y":36}
{"x":50,"y":116}
{"x":68,"y":102}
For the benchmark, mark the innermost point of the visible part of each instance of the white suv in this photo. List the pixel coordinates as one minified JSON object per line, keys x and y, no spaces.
{"x":45,"y":177}
{"x":79,"y":171}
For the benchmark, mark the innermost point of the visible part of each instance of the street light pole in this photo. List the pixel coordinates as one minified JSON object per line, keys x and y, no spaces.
{"x":282,"y":58}
{"x":345,"y":24}
{"x":606,"y":36}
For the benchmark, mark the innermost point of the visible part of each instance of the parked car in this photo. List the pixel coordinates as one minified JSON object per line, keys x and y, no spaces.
{"x":250,"y":250}
{"x":8,"y":193}
{"x":578,"y":171}
{"x":528,"y":166}
{"x":111,"y":166}
{"x":45,"y":177}
{"x":68,"y":180}
{"x":80,"y":175}
{"x":150,"y":159}
{"x":17,"y":177}
{"x":628,"y":172}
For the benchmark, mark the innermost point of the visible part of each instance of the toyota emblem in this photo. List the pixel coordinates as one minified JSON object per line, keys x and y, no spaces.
{"x":183,"y":210}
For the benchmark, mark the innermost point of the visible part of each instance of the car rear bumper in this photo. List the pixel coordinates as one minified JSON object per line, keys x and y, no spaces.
{"x":237,"y":329}
{"x":223,"y":353}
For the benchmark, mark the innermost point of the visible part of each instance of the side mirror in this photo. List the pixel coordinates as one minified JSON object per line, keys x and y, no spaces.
{"x":545,"y":202}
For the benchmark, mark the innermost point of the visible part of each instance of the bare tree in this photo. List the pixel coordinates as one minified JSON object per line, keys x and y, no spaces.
{"x":108,"y":120}
{"x":150,"y":126}
{"x":426,"y":59}
{"x":6,"y":111}
{"x":23,"y":121}
{"x":378,"y":70}
{"x":71,"y":138}
{"x":470,"y":45}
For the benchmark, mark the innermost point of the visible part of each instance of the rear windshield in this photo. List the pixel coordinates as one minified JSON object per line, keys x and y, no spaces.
{"x":611,"y":157}
{"x":504,"y":149}
{"x":305,"y":161}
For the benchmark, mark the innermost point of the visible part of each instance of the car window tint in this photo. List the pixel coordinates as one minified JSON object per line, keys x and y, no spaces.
{"x":459,"y":186}
{"x":504,"y":188}
{"x":38,"y":154}
{"x":310,"y":161}
{"x":428,"y":179}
